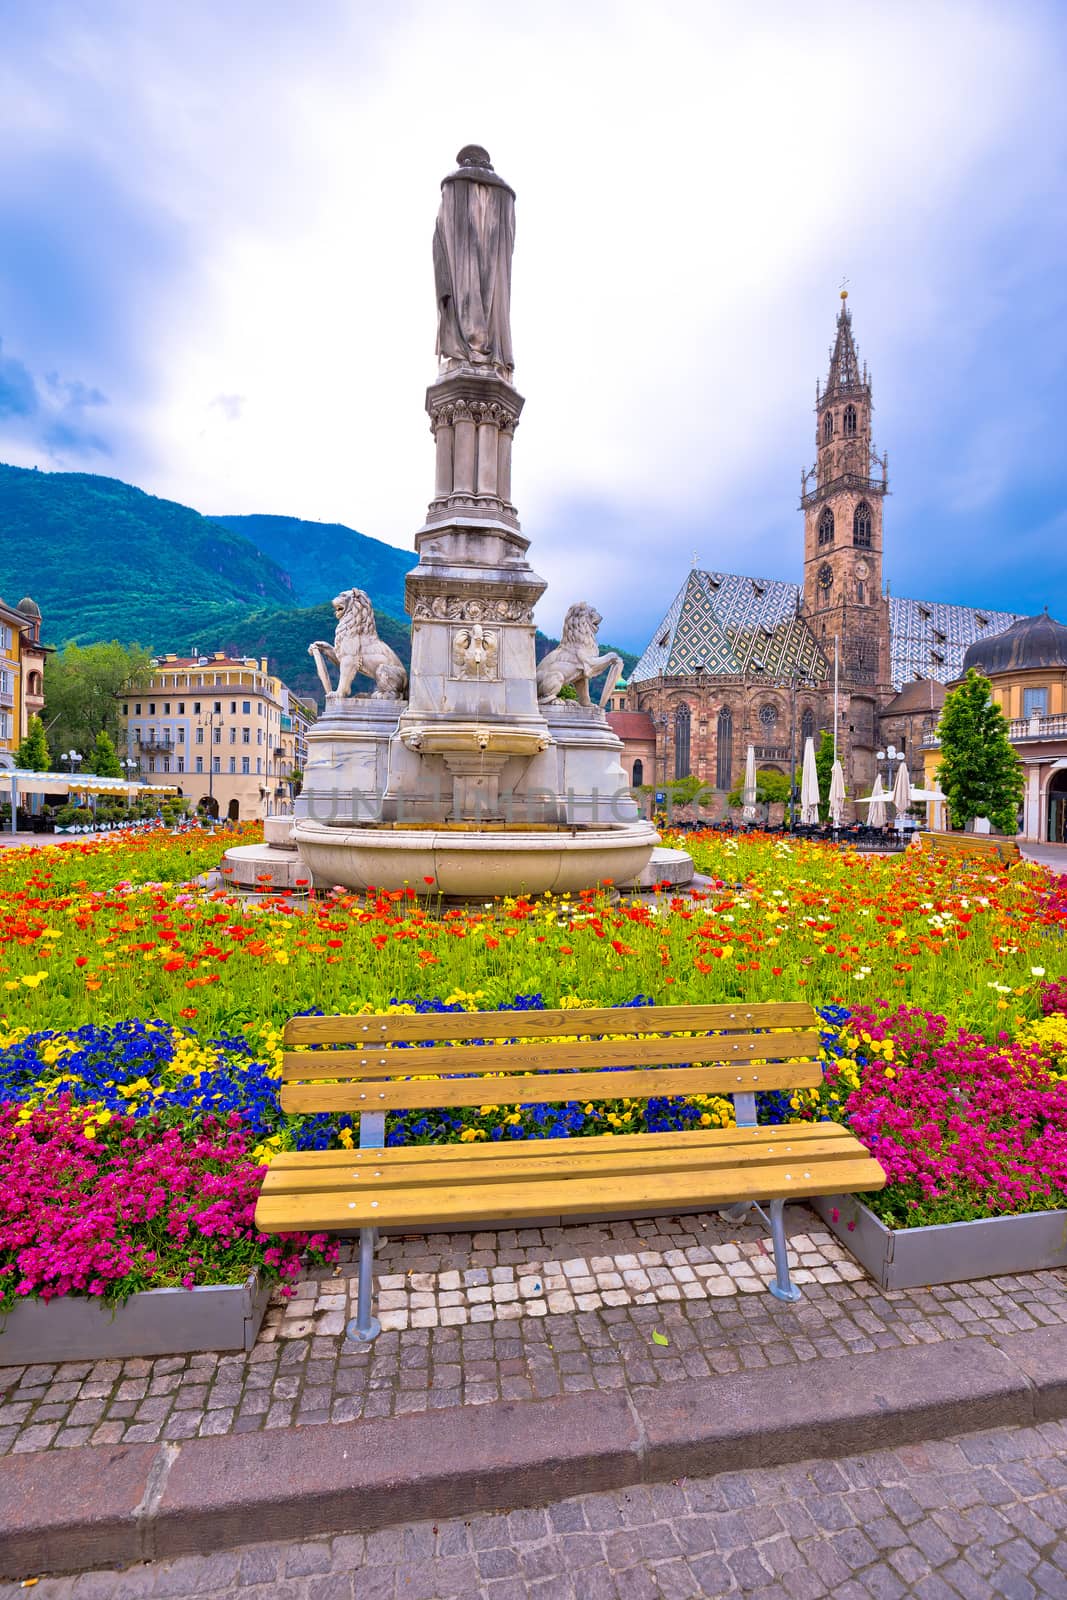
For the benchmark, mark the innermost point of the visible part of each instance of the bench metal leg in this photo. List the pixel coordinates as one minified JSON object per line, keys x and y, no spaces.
{"x":783,"y":1287}
{"x":365,"y":1326}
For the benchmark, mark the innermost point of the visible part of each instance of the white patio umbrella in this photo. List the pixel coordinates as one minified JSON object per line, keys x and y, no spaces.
{"x":902,"y":790}
{"x":809,"y":786}
{"x":748,"y":793}
{"x":876,"y":815}
{"x":837,"y":793}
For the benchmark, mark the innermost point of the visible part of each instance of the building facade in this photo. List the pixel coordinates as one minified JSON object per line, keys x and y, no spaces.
{"x":22,"y":660}
{"x":741,"y":660}
{"x":1027,"y":667}
{"x":212,"y":726}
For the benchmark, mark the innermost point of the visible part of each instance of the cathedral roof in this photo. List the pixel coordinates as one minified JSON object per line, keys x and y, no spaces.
{"x":725,"y":624}
{"x":929,"y":640}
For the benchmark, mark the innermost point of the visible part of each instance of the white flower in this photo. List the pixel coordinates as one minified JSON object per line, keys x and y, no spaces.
{"x":1037,"y":972}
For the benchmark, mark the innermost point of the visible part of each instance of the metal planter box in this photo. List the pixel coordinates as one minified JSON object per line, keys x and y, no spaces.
{"x":911,"y":1258}
{"x":157,"y":1322}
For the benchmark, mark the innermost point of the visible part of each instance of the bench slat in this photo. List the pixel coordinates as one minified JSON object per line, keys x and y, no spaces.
{"x":688,"y":1188}
{"x":410,"y":1094}
{"x":531,"y":1149}
{"x":576,"y":1162}
{"x":308,"y":1065}
{"x":398,"y":1027}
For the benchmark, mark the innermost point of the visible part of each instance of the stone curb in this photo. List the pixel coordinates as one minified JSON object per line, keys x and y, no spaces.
{"x":107,"y":1506}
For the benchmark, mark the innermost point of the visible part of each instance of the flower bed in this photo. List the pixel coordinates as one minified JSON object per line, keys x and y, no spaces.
{"x":944,"y":1047}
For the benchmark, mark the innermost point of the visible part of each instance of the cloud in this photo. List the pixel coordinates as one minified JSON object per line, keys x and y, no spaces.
{"x":231,"y":406}
{"x":217,"y":214}
{"x":49,"y":416}
{"x":18,"y":392}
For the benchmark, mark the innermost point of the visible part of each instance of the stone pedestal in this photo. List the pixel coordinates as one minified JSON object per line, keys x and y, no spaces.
{"x":348,"y":760}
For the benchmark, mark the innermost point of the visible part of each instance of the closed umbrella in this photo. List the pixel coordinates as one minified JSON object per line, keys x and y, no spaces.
{"x":748,"y":793}
{"x":901,"y":790}
{"x":837,"y":793}
{"x":876,"y":815}
{"x":809,"y":786}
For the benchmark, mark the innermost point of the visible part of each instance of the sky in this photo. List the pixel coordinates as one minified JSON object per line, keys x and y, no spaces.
{"x":216,"y":277}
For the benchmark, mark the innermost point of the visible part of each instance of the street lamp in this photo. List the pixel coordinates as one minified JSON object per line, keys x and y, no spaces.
{"x":209,"y":723}
{"x":890,"y":755}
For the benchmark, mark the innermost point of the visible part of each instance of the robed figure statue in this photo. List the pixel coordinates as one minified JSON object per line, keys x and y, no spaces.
{"x":472,"y":247}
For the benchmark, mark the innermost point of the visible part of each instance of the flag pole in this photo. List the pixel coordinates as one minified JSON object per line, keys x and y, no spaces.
{"x":835,"y":696}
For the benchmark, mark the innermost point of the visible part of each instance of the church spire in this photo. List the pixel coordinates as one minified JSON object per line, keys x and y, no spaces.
{"x":845,"y":377}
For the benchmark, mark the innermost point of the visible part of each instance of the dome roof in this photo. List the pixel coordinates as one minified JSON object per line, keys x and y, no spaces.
{"x":28,"y":607}
{"x":1038,"y":641}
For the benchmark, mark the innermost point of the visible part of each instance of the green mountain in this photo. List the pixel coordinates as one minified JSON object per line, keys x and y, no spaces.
{"x":322,"y":558}
{"x":104,"y":560}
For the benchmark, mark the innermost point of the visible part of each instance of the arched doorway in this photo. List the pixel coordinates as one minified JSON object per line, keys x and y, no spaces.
{"x":234,"y":810}
{"x":1057,"y":807}
{"x":207,"y":806}
{"x":638,"y":774}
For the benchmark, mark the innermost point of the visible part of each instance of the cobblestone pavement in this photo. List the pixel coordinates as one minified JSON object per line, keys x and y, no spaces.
{"x":518,"y":1315}
{"x":979,"y":1515}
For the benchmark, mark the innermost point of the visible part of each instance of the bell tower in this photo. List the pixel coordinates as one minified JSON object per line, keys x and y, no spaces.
{"x":841,"y":498}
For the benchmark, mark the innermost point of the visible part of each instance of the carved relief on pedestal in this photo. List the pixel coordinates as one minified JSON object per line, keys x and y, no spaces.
{"x":475,"y":652}
{"x":453,"y":608}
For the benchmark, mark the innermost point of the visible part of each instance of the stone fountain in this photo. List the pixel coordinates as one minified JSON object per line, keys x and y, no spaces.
{"x":474,"y":777}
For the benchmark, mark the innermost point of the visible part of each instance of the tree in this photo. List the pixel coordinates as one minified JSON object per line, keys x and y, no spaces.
{"x":103,"y":759}
{"x":32,"y":754}
{"x":83,"y":690}
{"x":980,"y":773}
{"x":824,"y":766}
{"x":772,"y":788}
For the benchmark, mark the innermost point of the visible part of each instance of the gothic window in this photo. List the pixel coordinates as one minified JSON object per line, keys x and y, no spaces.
{"x":639,"y":773}
{"x":768,"y":716}
{"x":861,"y":526}
{"x":681,"y":742}
{"x":861,"y":593}
{"x":826,"y":527}
{"x":724,"y":748}
{"x":807,"y":724}
{"x":828,"y":425}
{"x":850,"y":422}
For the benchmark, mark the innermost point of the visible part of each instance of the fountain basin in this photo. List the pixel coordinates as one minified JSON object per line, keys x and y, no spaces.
{"x":474,"y":862}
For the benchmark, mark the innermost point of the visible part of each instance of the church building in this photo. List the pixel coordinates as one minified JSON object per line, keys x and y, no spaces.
{"x":743,"y":660}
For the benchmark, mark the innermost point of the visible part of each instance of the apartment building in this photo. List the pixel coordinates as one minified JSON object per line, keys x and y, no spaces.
{"x":212,"y":726}
{"x":22,"y":658}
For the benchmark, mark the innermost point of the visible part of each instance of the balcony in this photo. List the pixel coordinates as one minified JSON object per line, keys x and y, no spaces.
{"x":157,"y":747}
{"x":1021,"y":730}
{"x":771,"y":752}
{"x":7,"y":698}
{"x":847,"y":480}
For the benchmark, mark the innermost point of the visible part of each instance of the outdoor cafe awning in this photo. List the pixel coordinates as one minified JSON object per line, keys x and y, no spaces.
{"x":21,"y":783}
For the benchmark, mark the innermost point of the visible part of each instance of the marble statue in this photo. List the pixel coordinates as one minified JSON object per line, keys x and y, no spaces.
{"x":474,"y":653}
{"x":357,"y":648}
{"x":472,"y":247}
{"x":575,"y":659}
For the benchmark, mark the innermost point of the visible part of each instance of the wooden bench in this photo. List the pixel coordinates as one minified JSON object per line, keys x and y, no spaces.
{"x":553,"y":1056}
{"x":983,"y":846}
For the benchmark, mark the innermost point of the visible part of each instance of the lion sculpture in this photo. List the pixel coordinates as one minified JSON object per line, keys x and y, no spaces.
{"x":575,"y":659}
{"x":357,"y":648}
